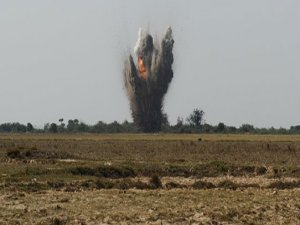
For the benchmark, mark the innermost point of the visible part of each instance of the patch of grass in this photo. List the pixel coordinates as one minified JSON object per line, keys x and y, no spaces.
{"x":33,"y":153}
{"x":284,"y":185}
{"x":175,"y":170}
{"x":31,"y":187}
{"x":126,"y":184}
{"x":172,"y":185}
{"x":158,"y":148}
{"x":228,"y":184}
{"x":123,"y":184}
{"x":295,"y":172}
{"x":116,"y":172}
{"x":83,"y":171}
{"x":56,"y":184}
{"x":27,"y":157}
{"x":254,"y":185}
{"x":203,"y":185}
{"x":211,"y":169}
{"x":104,"y":171}
{"x":104,"y":184}
{"x":35,"y":171}
{"x":242,"y":170}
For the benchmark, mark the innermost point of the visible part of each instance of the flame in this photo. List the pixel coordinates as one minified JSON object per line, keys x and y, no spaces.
{"x":142,"y":68}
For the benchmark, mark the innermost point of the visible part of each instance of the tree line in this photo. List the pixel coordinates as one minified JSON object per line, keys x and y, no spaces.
{"x":194,"y":123}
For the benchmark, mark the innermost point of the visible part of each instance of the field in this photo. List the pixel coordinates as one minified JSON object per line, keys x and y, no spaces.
{"x":149,"y":179}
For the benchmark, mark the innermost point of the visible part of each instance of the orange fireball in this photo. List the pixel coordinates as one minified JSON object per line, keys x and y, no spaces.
{"x":142,"y":68}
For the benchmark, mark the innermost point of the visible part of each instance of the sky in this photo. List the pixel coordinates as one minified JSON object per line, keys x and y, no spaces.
{"x":238,"y":61}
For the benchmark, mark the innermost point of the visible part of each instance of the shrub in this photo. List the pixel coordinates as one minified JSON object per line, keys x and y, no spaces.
{"x":58,"y":221}
{"x":141,"y":185}
{"x":104,"y":184}
{"x":124,"y":184}
{"x":212,"y":169}
{"x":228,"y":185}
{"x":56,"y":184}
{"x":203,"y":185}
{"x":171,"y":185}
{"x":155,"y":182}
{"x":83,"y":171}
{"x":261,"y":170}
{"x":115,"y":172}
{"x":284,"y":185}
{"x":13,"y":153}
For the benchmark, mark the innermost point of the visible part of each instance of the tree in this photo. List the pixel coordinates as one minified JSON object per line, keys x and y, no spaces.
{"x":70,"y":125}
{"x":29,"y":127}
{"x":82,"y":127}
{"x":179,"y":122}
{"x":295,"y":129}
{"x":246,"y":128}
{"x":73,"y":125}
{"x":196,"y":118}
{"x":207,"y":128}
{"x":165,"y":121}
{"x":232,"y":129}
{"x":221,"y":127}
{"x":53,"y":128}
{"x":46,"y":127}
{"x":128,"y":127}
{"x":99,"y":127}
{"x":114,"y":127}
{"x":62,"y":125}
{"x":13,"y":127}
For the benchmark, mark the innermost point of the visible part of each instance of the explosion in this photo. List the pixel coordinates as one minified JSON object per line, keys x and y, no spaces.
{"x":142,"y":68}
{"x":147,"y":83}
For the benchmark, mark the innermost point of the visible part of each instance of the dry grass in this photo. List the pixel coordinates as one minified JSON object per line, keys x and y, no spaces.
{"x":149,"y":179}
{"x":213,"y":206}
{"x":243,"y":149}
{"x":153,"y":137}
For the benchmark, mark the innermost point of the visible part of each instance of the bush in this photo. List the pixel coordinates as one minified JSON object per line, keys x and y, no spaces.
{"x":104,"y":171}
{"x":203,"y":185}
{"x":155,"y":182}
{"x":83,"y":171}
{"x":141,"y":185}
{"x":58,"y":221}
{"x":115,"y":172}
{"x":261,"y":170}
{"x":228,"y":185}
{"x":13,"y":153}
{"x":104,"y":184}
{"x":56,"y":184}
{"x":124,"y":184}
{"x":171,"y":185}
{"x":284,"y":185}
{"x":212,"y":169}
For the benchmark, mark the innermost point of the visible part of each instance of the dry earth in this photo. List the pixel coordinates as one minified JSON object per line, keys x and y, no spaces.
{"x":177,"y":206}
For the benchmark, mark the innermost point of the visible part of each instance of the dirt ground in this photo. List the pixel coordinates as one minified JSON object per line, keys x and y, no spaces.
{"x":177,"y":206}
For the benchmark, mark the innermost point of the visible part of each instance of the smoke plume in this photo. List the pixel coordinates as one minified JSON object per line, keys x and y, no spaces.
{"x":147,"y":81}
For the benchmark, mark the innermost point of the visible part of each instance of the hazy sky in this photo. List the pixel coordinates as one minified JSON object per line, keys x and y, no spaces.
{"x":237,"y":60}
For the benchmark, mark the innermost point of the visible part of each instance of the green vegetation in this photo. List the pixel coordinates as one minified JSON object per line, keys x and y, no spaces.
{"x":194,"y":123}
